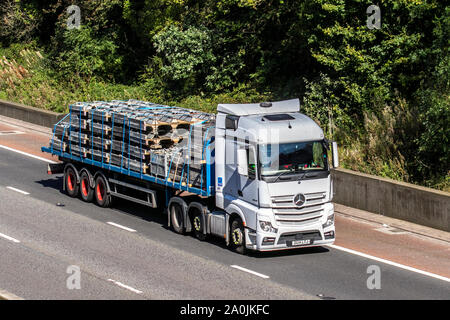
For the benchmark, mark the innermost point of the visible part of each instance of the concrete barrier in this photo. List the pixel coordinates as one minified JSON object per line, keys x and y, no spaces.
{"x":37,"y":116}
{"x":392,"y":198}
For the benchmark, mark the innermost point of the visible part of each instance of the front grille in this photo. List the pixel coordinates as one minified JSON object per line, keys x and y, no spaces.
{"x":313,"y":235}
{"x":287,"y":213}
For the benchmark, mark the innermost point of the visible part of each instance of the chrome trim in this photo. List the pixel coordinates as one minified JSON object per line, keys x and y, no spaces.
{"x":287,"y":213}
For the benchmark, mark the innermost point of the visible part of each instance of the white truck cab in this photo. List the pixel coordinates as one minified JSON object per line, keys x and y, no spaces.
{"x":272,"y":170}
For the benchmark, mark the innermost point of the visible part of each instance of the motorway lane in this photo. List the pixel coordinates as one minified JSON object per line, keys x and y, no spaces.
{"x":157,"y":269}
{"x":105,"y":252}
{"x":78,"y":233}
{"x":29,"y":273}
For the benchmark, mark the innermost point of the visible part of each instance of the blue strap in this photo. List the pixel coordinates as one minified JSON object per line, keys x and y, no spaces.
{"x":203,"y":155}
{"x":112,"y":136}
{"x":92,"y":135}
{"x":123,"y":143}
{"x":129,"y":140}
{"x":70,"y":127}
{"x":102,"y":137}
{"x":79,"y":136}
{"x":54,"y":130}
{"x":140,"y":144}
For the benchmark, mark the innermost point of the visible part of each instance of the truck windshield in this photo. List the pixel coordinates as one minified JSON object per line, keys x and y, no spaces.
{"x":275,"y":159}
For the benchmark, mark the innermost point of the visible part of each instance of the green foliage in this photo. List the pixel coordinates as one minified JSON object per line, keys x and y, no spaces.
{"x":18,"y":22}
{"x":381,"y":145}
{"x":321,"y":103}
{"x":83,"y":56}
{"x":185,"y":55}
{"x":433,"y":157}
{"x":382,"y":93}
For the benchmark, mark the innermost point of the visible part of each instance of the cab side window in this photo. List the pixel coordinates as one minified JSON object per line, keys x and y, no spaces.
{"x":251,"y":163}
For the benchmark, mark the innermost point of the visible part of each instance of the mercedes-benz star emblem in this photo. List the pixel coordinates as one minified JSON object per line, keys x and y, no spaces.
{"x":299,"y":200}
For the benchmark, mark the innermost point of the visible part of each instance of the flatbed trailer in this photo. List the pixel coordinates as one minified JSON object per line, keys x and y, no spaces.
{"x":205,"y":170}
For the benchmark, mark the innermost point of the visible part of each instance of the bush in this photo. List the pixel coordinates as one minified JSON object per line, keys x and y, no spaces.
{"x":321,"y":103}
{"x":183,"y":57}
{"x":381,"y":147}
{"x":81,"y":55}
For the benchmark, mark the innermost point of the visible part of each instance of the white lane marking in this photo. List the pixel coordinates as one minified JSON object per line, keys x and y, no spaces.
{"x":17,"y":190}
{"x":395,"y":264}
{"x":121,"y":227}
{"x":9,"y":238}
{"x":120,"y":284}
{"x":27,"y":154}
{"x":250,"y":271}
{"x":7,"y":133}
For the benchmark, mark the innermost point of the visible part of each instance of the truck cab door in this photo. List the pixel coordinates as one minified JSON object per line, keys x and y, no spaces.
{"x":248,"y":184}
{"x":231,"y":183}
{"x":239,"y":186}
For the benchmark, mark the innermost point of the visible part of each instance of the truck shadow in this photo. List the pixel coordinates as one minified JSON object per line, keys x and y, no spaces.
{"x":56,"y":182}
{"x":145,"y":213}
{"x":288,"y":252}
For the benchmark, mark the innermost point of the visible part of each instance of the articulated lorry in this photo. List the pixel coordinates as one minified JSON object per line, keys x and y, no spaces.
{"x":257,"y":175}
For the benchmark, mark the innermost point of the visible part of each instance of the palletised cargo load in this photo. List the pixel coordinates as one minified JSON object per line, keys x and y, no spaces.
{"x":139,"y":138}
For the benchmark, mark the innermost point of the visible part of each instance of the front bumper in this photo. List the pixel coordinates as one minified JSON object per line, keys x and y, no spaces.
{"x":291,"y":237}
{"x":261,"y":245}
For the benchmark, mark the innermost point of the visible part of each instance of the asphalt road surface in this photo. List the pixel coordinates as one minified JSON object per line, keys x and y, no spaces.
{"x":127,"y":252}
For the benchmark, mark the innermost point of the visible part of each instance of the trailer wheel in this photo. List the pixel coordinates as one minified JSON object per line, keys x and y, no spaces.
{"x":237,"y":236}
{"x":176,"y":217}
{"x":70,"y":178}
{"x":198,"y":224}
{"x":102,"y":197}
{"x":86,"y":192}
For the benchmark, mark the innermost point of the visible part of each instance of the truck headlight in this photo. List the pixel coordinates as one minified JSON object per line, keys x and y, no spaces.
{"x":266,"y":226}
{"x":329,"y":222}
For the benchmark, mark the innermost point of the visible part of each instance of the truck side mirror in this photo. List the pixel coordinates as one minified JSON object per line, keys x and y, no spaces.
{"x":242,"y":164}
{"x":335,"y":154}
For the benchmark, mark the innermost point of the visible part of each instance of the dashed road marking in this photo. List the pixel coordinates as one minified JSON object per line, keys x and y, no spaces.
{"x":250,"y":271}
{"x":121,"y":227}
{"x":17,"y":190}
{"x":120,"y":284}
{"x":4,"y":236}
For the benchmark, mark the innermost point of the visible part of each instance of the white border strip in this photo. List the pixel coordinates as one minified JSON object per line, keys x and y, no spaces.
{"x":17,"y":190}
{"x":395,"y":264}
{"x":120,"y":284}
{"x":27,"y":154}
{"x":9,"y":238}
{"x":250,"y":271}
{"x":121,"y":227}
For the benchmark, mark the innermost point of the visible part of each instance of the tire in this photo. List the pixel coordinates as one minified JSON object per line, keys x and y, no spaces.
{"x":176,"y":218}
{"x":237,"y":236}
{"x":198,"y":225}
{"x":86,"y":192}
{"x":102,"y":197}
{"x":70,"y":178}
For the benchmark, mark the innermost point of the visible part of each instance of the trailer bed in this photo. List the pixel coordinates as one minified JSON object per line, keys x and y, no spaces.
{"x":170,"y":146}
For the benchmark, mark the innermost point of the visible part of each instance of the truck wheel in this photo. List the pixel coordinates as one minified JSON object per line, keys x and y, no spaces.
{"x":102,"y":197}
{"x":70,"y":178}
{"x":86,"y":192}
{"x":176,"y":217}
{"x":237,"y":236}
{"x":198,"y":225}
